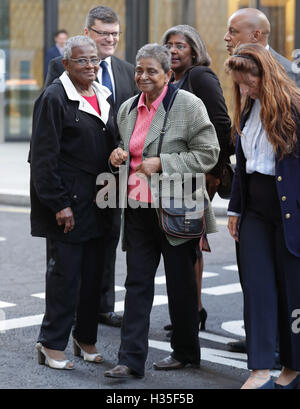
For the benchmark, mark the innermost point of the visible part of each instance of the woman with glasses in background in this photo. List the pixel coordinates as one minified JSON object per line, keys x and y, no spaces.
{"x":190,"y":65}
{"x":72,"y":138}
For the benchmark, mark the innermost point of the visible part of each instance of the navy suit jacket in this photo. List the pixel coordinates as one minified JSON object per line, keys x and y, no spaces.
{"x":53,"y":52}
{"x":287,"y":174}
{"x":287,"y":65}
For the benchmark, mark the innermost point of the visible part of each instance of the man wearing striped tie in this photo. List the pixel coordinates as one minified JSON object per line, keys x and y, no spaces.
{"x":103,"y":26}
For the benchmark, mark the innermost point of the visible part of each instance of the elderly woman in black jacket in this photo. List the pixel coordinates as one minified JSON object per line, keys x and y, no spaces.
{"x":190,"y":65}
{"x":72,"y":137}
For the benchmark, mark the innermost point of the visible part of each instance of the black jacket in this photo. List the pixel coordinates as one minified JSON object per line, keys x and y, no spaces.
{"x":69,"y":148}
{"x":204,"y":83}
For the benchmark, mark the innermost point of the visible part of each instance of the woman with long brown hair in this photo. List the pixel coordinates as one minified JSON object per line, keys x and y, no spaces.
{"x":264,"y":212}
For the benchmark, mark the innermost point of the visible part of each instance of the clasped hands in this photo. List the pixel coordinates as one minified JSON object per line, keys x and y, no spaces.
{"x":147,"y":167}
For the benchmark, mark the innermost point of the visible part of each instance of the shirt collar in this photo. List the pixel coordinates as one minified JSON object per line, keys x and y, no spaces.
{"x":72,"y":92}
{"x":155,"y":104}
{"x":108,"y":60}
{"x":102,"y":94}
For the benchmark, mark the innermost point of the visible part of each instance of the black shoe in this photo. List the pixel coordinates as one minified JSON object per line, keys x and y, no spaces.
{"x":110,"y":318}
{"x":121,"y":372}
{"x":237,"y":346}
{"x":169,"y":363}
{"x":168,"y":327}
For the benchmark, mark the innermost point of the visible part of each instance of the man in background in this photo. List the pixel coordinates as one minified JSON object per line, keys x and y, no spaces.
{"x":60,"y":39}
{"x":249,"y":25}
{"x":252,"y":26}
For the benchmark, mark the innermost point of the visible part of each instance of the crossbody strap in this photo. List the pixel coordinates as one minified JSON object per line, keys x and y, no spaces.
{"x":163,"y":130}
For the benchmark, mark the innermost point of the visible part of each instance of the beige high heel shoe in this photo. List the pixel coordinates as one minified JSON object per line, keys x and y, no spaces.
{"x":96,"y":357}
{"x":44,"y":358}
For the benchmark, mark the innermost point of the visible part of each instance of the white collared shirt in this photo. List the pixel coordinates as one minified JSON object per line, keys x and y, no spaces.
{"x":109,"y":67}
{"x":101,"y":92}
{"x":257,"y":148}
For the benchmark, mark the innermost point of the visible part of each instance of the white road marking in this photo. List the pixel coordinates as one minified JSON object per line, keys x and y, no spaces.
{"x":215,"y":338}
{"x":2,"y":238}
{"x":223,"y":289}
{"x":158,"y":300}
{"x":234,"y":327}
{"x":21,"y":322}
{"x":160,"y":280}
{"x":6,"y":304}
{"x":14,"y":209}
{"x":232,"y":267}
{"x":39,"y":295}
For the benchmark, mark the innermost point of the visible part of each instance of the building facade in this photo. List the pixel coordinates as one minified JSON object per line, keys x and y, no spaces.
{"x":27,"y":28}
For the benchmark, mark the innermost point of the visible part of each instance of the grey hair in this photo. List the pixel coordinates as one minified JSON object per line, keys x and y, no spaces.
{"x":193,"y":38}
{"x":77,"y":41}
{"x":158,"y":52}
{"x":103,"y":13}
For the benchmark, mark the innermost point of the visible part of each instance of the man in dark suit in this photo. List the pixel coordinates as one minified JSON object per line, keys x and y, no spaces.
{"x":103,"y":26}
{"x":57,"y":50}
{"x":249,"y":25}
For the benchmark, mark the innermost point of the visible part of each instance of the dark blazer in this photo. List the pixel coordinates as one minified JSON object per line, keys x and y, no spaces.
{"x":287,"y":66}
{"x":203,"y":82}
{"x":125,"y":86}
{"x":69,"y":148}
{"x":53,"y":52}
{"x":287,"y":174}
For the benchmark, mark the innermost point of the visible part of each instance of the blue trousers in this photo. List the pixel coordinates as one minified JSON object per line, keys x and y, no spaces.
{"x":270,"y":277}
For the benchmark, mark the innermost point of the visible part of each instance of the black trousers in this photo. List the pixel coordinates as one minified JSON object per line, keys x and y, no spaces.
{"x":107,"y":289}
{"x":145,"y":245}
{"x":72,"y":288}
{"x":271,"y":279}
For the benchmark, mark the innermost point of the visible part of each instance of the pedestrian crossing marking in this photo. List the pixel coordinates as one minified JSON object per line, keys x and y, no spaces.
{"x":158,"y":300}
{"x":23,"y":322}
{"x":6,"y":304}
{"x":160,"y":280}
{"x":232,"y":267}
{"x":223,"y":289}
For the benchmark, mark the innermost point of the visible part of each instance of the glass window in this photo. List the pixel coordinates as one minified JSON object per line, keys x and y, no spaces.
{"x":21,"y":29}
{"x":72,"y":14}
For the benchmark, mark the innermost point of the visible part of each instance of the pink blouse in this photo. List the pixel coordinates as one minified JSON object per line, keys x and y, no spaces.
{"x":138,"y":188}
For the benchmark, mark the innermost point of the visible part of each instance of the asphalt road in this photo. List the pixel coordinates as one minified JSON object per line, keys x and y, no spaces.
{"x":22,"y":270}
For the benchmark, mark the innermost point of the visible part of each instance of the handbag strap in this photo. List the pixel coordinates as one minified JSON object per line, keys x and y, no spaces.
{"x":163,"y":130}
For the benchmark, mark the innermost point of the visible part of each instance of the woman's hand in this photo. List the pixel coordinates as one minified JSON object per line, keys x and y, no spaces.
{"x":149,"y":166}
{"x":65,"y":217}
{"x":117,"y":157}
{"x":233,"y":226}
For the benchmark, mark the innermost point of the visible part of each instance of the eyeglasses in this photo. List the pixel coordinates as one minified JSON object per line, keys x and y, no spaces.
{"x":84,"y":61}
{"x":105,"y":34}
{"x":178,"y":46}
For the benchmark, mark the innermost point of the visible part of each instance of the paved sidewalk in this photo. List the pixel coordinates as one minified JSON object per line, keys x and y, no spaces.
{"x":14,"y":177}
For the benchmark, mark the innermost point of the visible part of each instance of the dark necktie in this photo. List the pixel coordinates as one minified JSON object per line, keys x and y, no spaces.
{"x":106,"y":81}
